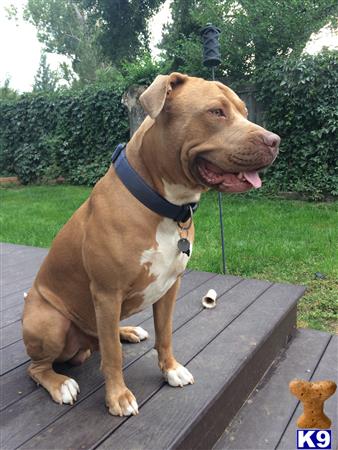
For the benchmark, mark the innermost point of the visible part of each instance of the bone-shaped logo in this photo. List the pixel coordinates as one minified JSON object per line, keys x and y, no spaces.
{"x":313,"y":395}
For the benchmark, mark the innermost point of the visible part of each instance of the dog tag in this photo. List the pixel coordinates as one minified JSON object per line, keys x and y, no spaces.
{"x":184,"y":246}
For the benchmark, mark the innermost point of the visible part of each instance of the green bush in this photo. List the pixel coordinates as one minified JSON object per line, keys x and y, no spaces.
{"x":71,"y":133}
{"x":141,"y":70}
{"x":300,"y":98}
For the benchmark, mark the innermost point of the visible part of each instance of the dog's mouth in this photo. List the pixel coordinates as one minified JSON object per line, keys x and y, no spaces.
{"x":216,"y":178}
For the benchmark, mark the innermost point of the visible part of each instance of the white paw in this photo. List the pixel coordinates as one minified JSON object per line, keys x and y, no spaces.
{"x":179,"y":377}
{"x":25,"y":295}
{"x":69,"y":391}
{"x":123,"y":405}
{"x":141,"y":333}
{"x":131,"y":409}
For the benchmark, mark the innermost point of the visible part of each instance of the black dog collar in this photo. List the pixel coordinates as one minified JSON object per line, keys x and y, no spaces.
{"x":144,"y":193}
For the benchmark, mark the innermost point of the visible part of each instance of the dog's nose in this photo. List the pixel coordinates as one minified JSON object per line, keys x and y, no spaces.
{"x":271,"y":139}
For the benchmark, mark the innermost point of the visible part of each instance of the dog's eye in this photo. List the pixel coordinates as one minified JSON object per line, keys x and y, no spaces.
{"x":218,"y":112}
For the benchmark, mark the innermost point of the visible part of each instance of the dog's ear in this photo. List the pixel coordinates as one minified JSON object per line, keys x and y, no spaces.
{"x":154,"y":97}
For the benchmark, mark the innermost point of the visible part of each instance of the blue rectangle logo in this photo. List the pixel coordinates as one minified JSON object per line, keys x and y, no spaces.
{"x":313,"y":439}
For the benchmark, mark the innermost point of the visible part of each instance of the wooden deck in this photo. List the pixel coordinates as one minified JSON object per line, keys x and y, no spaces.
{"x":311,"y":355}
{"x":228,"y":350}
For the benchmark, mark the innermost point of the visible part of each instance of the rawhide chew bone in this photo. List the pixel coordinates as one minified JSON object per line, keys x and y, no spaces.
{"x":313,"y":395}
{"x":209,"y":300}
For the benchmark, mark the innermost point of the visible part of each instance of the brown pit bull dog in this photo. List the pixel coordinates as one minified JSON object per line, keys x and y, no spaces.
{"x":115,"y":256}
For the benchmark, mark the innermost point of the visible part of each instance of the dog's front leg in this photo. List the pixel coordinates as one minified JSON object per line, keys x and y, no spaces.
{"x":119,"y":399}
{"x":174,"y":373}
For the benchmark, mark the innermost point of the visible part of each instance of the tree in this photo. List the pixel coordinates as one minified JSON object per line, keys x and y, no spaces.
{"x":123,"y":29}
{"x":92,"y":33}
{"x":62,"y":28}
{"x":6,"y":92}
{"x":252,"y":32}
{"x":45,"y":78}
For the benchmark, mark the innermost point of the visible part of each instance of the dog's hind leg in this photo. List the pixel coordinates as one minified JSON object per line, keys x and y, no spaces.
{"x":133,"y":334}
{"x":80,"y":357}
{"x":44,"y":332}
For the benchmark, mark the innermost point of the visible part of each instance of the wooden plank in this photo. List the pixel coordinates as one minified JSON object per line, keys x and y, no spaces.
{"x":12,"y":356}
{"x":9,"y":249}
{"x":19,"y":286}
{"x":265,"y":415}
{"x":191,"y":418}
{"x":10,"y":278}
{"x":186,"y":308}
{"x":32,"y":256}
{"x":11,"y":315}
{"x":16,"y":256}
{"x":143,"y":376}
{"x":11,"y":300}
{"x":23,"y":269}
{"x":326,"y":370}
{"x":10,"y":334}
{"x":5,"y":180}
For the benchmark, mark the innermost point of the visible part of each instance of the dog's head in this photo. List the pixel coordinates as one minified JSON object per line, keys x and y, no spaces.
{"x":206,"y":123}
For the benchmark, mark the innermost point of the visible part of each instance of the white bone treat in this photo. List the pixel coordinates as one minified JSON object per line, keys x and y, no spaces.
{"x":209,"y":300}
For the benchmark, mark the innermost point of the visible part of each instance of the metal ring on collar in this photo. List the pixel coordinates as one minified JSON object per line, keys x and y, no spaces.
{"x":185,"y":228}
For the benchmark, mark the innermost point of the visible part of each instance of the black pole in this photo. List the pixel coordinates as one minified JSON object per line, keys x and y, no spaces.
{"x":212,"y":58}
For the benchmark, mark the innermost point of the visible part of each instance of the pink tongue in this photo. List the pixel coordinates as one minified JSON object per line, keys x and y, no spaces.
{"x":253,"y":178}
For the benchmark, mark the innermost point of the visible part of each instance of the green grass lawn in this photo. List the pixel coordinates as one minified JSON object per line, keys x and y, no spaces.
{"x":273,"y":239}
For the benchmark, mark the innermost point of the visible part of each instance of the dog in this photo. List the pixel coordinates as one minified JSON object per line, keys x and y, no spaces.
{"x":116,"y":255}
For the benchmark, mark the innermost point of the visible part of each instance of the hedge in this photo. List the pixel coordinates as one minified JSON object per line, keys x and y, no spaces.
{"x":300,"y":99}
{"x":72,"y":134}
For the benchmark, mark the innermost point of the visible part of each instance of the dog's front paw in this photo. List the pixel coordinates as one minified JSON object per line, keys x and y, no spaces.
{"x":180,"y":376}
{"x":133,"y":334}
{"x":122,"y":403}
{"x":69,"y":390}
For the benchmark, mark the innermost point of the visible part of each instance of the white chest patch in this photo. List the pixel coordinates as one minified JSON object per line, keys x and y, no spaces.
{"x":166,"y":261}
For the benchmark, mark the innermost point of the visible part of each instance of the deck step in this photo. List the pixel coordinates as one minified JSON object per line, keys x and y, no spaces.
{"x":268,"y":418}
{"x":228,"y":349}
{"x":226,"y":371}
